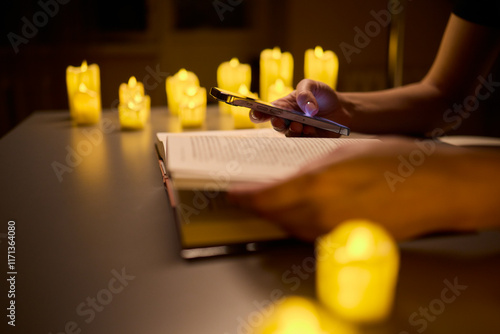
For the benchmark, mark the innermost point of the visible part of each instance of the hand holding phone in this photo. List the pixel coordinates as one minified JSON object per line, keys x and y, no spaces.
{"x":267,"y":108}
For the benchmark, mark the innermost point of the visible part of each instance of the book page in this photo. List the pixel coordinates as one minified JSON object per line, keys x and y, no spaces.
{"x":243,"y":158}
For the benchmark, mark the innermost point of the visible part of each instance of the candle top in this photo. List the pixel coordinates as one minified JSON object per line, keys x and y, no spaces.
{"x":132,"y":82}
{"x":318,"y":51}
{"x":234,"y":62}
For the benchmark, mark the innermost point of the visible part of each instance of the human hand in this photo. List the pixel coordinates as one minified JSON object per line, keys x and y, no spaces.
{"x":355,"y":182}
{"x":314,"y":98}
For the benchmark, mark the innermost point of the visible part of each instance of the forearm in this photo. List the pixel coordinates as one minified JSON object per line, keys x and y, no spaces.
{"x":412,"y":109}
{"x":464,"y":59}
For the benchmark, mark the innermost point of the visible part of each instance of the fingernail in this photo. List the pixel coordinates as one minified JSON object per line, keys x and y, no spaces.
{"x":310,"y":109}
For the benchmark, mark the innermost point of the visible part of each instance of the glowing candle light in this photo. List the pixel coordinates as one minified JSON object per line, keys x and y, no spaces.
{"x":175,"y":87}
{"x":135,"y":107}
{"x":87,"y":105}
{"x":241,"y":114}
{"x":89,"y":76}
{"x":357,"y":268}
{"x":193,"y":106}
{"x":278,"y":90}
{"x":299,"y":315}
{"x":321,"y":66}
{"x":274,"y":65}
{"x":230,"y":76}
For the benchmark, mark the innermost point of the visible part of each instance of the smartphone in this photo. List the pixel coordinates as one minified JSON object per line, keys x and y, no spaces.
{"x":267,"y":108}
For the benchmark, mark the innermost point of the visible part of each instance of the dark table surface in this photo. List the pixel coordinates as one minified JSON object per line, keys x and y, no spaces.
{"x":97,"y":250}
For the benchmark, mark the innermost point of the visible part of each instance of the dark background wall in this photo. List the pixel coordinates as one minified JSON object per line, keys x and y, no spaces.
{"x":155,"y":38}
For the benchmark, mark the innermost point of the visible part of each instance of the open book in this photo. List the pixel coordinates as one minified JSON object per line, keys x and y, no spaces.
{"x":222,"y":158}
{"x":198,"y":167}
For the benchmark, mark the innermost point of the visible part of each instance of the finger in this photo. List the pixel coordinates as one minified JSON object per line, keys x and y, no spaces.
{"x":279,"y":124}
{"x":294,"y":130}
{"x":305,"y":96}
{"x":258,"y":117}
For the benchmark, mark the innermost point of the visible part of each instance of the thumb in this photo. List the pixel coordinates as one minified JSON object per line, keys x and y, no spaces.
{"x":305,"y":97}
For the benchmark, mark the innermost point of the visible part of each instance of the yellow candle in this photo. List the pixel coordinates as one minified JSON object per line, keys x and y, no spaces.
{"x":274,"y":65}
{"x":193,"y":106}
{"x":175,"y":87}
{"x":230,"y":76}
{"x":278,"y":90}
{"x":135,"y":107}
{"x":357,"y":269}
{"x":299,"y":315}
{"x":240,"y":114}
{"x":321,"y":66}
{"x":89,"y":75}
{"x":87,"y":105}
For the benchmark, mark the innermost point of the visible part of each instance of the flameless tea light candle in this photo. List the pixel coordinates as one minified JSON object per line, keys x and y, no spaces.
{"x":241,"y":116}
{"x":175,"y":87}
{"x":230,"y":76}
{"x":278,"y":90}
{"x":135,"y":107}
{"x":321,"y":66}
{"x":299,"y":315}
{"x":89,"y":76}
{"x":193,"y":106}
{"x":274,"y":65}
{"x":87,"y":105}
{"x":357,"y":269}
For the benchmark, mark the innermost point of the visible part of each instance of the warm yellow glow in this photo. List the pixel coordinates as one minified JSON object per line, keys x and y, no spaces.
{"x":243,"y":90}
{"x":230,"y":75}
{"x":85,"y":78}
{"x":280,"y":86}
{"x":276,"y":52}
{"x":135,"y":107}
{"x":193,"y":106}
{"x":132,"y":82}
{"x":278,"y":90}
{"x":318,"y":51}
{"x":360,"y":245}
{"x":234,"y":62}
{"x":191,"y":91}
{"x":274,"y":65}
{"x":183,"y":74}
{"x":321,"y":65}
{"x":176,"y":86}
{"x":357,"y":267}
{"x":298,"y":315}
{"x":354,"y":281}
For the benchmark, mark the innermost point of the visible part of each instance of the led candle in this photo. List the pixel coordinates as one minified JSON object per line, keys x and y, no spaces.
{"x":89,"y":75}
{"x":193,"y":106}
{"x":241,"y":114}
{"x":299,"y":315}
{"x":357,"y":268}
{"x":175,"y":87}
{"x":135,"y":107}
{"x":274,"y":65}
{"x":230,"y":76}
{"x":278,"y":90}
{"x":321,"y":66}
{"x":87,"y":105}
